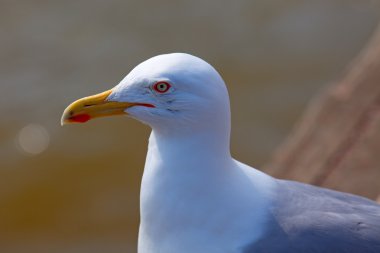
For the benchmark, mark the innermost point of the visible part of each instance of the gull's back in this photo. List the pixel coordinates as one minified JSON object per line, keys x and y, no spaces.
{"x":307,"y":219}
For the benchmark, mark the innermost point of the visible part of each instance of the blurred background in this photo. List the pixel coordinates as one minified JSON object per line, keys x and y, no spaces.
{"x":76,"y":188}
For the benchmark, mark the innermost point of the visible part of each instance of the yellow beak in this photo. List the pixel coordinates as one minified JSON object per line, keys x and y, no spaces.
{"x":95,"y":106}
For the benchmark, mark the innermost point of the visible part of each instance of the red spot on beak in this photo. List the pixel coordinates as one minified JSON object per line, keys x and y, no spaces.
{"x":81,"y":118}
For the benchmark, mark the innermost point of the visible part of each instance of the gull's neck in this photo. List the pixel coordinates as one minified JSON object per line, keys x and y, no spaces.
{"x":187,"y":178}
{"x":211,"y":148}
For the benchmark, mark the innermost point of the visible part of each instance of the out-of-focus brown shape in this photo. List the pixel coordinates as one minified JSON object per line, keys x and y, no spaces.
{"x":336,"y":144}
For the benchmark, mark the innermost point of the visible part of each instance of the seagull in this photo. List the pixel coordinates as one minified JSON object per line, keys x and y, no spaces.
{"x":196,"y":198}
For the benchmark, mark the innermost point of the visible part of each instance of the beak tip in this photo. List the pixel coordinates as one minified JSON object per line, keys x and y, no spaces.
{"x":65,"y":117}
{"x":85,"y":109}
{"x":64,"y":120}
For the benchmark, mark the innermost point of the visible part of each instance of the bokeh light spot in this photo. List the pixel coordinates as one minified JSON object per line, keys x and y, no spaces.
{"x":33,"y":139}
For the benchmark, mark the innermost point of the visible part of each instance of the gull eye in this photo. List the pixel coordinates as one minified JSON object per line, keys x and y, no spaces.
{"x":161,"y":87}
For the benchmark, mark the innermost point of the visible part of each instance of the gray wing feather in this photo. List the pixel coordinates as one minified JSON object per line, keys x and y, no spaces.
{"x":309,"y":219}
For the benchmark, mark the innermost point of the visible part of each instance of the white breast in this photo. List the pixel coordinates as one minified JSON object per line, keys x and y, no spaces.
{"x":188,"y":207}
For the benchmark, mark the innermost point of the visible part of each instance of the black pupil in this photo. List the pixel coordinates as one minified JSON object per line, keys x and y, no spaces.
{"x":161,"y":86}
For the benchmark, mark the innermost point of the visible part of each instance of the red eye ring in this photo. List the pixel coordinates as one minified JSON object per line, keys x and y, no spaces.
{"x":161,"y":87}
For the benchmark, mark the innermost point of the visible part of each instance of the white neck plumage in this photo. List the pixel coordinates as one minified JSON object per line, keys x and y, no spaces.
{"x":187,"y":179}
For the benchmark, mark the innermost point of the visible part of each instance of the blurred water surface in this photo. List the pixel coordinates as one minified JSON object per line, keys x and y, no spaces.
{"x":75,"y":189}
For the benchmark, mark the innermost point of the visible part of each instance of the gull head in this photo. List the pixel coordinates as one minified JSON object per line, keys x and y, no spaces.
{"x":170,"y":91}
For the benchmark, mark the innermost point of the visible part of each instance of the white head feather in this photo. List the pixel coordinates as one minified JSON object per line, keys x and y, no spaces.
{"x":197,"y":98}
